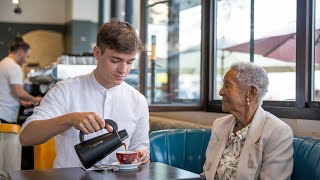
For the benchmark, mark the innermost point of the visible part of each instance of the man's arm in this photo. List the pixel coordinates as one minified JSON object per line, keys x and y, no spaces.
{"x":39,"y":131}
{"x":20,"y":93}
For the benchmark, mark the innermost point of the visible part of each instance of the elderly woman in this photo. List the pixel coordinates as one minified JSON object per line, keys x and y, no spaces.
{"x":250,"y":143}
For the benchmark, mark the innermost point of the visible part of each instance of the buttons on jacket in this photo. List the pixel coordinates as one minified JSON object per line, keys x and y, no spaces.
{"x":250,"y":164}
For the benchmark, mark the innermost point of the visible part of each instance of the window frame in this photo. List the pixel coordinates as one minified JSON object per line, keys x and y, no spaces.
{"x":303,"y":107}
{"x":143,"y":70}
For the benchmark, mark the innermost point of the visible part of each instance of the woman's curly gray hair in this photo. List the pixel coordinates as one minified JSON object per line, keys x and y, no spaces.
{"x":250,"y":74}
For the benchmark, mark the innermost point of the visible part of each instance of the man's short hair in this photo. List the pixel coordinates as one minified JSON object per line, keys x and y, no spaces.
{"x":119,"y":36}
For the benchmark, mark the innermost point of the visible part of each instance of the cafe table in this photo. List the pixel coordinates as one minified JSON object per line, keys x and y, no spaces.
{"x":155,"y":170}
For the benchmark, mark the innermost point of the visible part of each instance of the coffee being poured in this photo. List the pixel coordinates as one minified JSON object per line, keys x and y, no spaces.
{"x":94,"y":150}
{"x":125,"y":147}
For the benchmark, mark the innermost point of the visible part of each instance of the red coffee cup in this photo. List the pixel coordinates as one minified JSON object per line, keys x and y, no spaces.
{"x":126,"y":157}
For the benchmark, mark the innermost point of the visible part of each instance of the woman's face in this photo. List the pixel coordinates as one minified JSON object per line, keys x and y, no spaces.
{"x":233,"y":96}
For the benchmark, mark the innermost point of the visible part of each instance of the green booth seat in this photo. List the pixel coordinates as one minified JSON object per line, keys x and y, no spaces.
{"x":185,"y":149}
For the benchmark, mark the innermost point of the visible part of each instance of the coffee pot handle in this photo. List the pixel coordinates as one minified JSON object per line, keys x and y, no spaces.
{"x":108,"y":121}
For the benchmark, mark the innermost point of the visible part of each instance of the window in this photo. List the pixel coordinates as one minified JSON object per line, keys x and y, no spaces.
{"x":274,"y":42}
{"x":174,"y":57}
{"x":316,"y":96}
{"x":285,"y":42}
{"x":195,"y":43}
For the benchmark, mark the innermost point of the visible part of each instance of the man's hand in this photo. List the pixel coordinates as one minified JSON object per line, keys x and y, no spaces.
{"x":88,"y":122}
{"x":36,"y":100}
{"x":143,"y":156}
{"x":25,"y":103}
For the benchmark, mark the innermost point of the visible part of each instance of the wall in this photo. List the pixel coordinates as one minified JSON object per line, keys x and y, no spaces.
{"x":49,"y":11}
{"x":36,"y":15}
{"x":9,"y":30}
{"x":81,"y":25}
{"x":85,"y":10}
{"x":300,"y":127}
{"x":46,"y":46}
{"x":304,"y":127}
{"x":34,"y":11}
{"x":80,"y":36}
{"x":76,"y":20}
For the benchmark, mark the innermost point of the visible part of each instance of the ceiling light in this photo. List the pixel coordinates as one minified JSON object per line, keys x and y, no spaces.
{"x":15,"y":1}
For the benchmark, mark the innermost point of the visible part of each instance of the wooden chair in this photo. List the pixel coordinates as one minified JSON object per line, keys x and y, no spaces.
{"x":10,"y":148}
{"x":44,"y":155}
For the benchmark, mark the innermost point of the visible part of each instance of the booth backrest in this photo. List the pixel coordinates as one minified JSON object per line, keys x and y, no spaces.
{"x":185,"y":149}
{"x":182,"y":148}
{"x":306,"y":159}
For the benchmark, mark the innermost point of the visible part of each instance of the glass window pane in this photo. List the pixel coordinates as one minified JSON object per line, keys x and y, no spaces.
{"x":274,"y":42}
{"x":317,"y":53}
{"x":174,"y":63}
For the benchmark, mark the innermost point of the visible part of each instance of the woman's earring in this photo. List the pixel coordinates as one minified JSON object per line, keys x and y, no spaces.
{"x":248,"y":102}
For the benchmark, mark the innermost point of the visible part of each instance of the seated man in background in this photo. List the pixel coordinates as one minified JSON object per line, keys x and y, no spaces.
{"x":11,"y":85}
{"x":82,"y":103}
{"x":250,"y":143}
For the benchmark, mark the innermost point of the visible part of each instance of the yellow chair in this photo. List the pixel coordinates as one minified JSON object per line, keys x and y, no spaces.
{"x":10,"y":148}
{"x":44,"y":155}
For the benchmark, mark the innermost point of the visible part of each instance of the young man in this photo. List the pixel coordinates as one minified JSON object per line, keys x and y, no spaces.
{"x":11,"y":89}
{"x":82,"y":103}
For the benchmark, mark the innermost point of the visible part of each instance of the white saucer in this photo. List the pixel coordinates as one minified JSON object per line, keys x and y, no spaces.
{"x":134,"y":165}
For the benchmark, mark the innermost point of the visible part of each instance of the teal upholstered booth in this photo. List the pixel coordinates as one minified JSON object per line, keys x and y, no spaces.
{"x":185,"y":148}
{"x":306,"y":159}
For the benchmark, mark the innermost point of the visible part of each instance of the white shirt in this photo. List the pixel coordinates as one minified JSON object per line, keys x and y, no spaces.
{"x":122,"y":103}
{"x":10,"y":73}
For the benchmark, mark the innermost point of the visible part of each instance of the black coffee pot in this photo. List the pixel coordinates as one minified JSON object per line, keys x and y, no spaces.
{"x":94,"y":150}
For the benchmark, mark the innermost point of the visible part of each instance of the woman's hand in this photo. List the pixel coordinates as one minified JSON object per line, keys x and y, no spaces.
{"x":143,"y":156}
{"x":25,"y":104}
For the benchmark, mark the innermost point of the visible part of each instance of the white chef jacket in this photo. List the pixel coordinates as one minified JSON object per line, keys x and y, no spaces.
{"x":10,"y":73}
{"x":122,"y":103}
